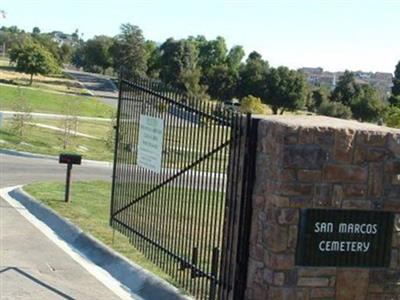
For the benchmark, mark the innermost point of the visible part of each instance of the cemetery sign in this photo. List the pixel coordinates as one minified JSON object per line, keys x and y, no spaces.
{"x":344,"y":238}
{"x":151,"y":136}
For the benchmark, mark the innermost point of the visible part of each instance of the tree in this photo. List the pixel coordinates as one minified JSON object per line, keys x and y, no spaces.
{"x":96,"y":53}
{"x":222,"y":79}
{"x":180,"y":68}
{"x":219,"y":69}
{"x":13,"y":37}
{"x":20,"y":120}
{"x":153,"y":61}
{"x":69,"y":123}
{"x":129,"y":51}
{"x":33,"y":59}
{"x":367,"y":106}
{"x":318,"y":97}
{"x":284,"y":89}
{"x":66,"y":51}
{"x":211,"y":59}
{"x":212,"y":53}
{"x":234,"y":58}
{"x":46,"y":40}
{"x":395,"y":98}
{"x":75,"y":36}
{"x":35,"y":30}
{"x":252,"y":76}
{"x":346,"y":89}
{"x":222,"y":82}
{"x":363,"y":99}
{"x":78,"y":55}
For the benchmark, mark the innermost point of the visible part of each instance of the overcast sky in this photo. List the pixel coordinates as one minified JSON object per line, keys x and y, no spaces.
{"x":333,"y":34}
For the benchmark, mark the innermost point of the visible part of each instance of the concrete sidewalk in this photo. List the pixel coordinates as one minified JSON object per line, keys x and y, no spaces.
{"x":7,"y":114}
{"x":33,"y":267}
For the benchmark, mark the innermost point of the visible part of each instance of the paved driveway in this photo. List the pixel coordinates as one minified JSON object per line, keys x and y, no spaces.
{"x":31,"y":265}
{"x":101,"y":86}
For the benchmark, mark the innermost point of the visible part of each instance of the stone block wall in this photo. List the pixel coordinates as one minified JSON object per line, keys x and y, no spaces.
{"x":320,"y":162}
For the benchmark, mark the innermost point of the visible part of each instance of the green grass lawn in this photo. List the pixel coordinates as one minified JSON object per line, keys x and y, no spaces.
{"x":89,"y":209}
{"x":177,"y":218}
{"x":47,"y":102}
{"x":179,"y":150}
{"x":46,"y":141}
{"x":4,"y":61}
{"x":95,"y":128}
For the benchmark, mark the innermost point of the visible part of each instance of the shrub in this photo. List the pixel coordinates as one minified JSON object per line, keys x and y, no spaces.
{"x":253,"y":105}
{"x":392,"y":117}
{"x":335,"y":109}
{"x":21,"y":120}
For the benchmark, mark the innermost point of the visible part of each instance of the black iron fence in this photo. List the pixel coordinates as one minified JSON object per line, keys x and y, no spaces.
{"x":181,"y":186}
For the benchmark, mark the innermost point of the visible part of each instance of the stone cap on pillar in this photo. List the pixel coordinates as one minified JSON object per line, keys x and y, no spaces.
{"x":324,"y":122}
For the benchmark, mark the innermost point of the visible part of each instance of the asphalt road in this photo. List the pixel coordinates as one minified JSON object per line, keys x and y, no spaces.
{"x":16,"y":169}
{"x":101,"y":86}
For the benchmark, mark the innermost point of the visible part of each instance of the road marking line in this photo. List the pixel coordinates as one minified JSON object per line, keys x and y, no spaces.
{"x":101,"y":275}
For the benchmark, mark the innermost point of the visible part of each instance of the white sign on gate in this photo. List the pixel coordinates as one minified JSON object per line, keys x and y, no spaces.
{"x":151,"y":136}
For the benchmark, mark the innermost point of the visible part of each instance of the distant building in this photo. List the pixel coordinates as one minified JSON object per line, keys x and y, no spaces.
{"x":62,"y":38}
{"x":318,"y":77}
{"x":317,"y":70}
{"x":363,"y":75}
{"x":383,"y":76}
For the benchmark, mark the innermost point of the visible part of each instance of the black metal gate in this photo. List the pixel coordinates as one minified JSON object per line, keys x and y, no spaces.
{"x":190,"y":214}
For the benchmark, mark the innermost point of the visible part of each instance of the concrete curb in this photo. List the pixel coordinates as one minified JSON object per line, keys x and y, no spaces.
{"x":27,"y":154}
{"x":139,"y":282}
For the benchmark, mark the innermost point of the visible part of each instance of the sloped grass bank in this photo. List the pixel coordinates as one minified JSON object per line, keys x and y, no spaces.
{"x":46,"y":141}
{"x":47,"y":102}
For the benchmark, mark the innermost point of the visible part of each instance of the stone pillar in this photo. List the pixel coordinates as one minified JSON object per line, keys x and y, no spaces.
{"x":320,"y":162}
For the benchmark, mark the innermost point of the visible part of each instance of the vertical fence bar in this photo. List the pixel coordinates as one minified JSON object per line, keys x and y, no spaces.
{"x":129,"y":156}
{"x":214,"y":272}
{"x":223,"y":215}
{"x":136,"y":98}
{"x":181,"y":201}
{"x":161,"y":202}
{"x":166,"y":190}
{"x":143,"y":173}
{"x":152,"y":227}
{"x":248,"y":175}
{"x":116,"y":142}
{"x":124,"y":165}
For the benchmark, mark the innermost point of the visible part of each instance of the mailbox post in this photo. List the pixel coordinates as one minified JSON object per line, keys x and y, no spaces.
{"x":69,"y":159}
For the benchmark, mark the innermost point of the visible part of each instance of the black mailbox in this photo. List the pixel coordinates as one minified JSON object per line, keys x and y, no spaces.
{"x":66,"y":158}
{"x":69,"y":159}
